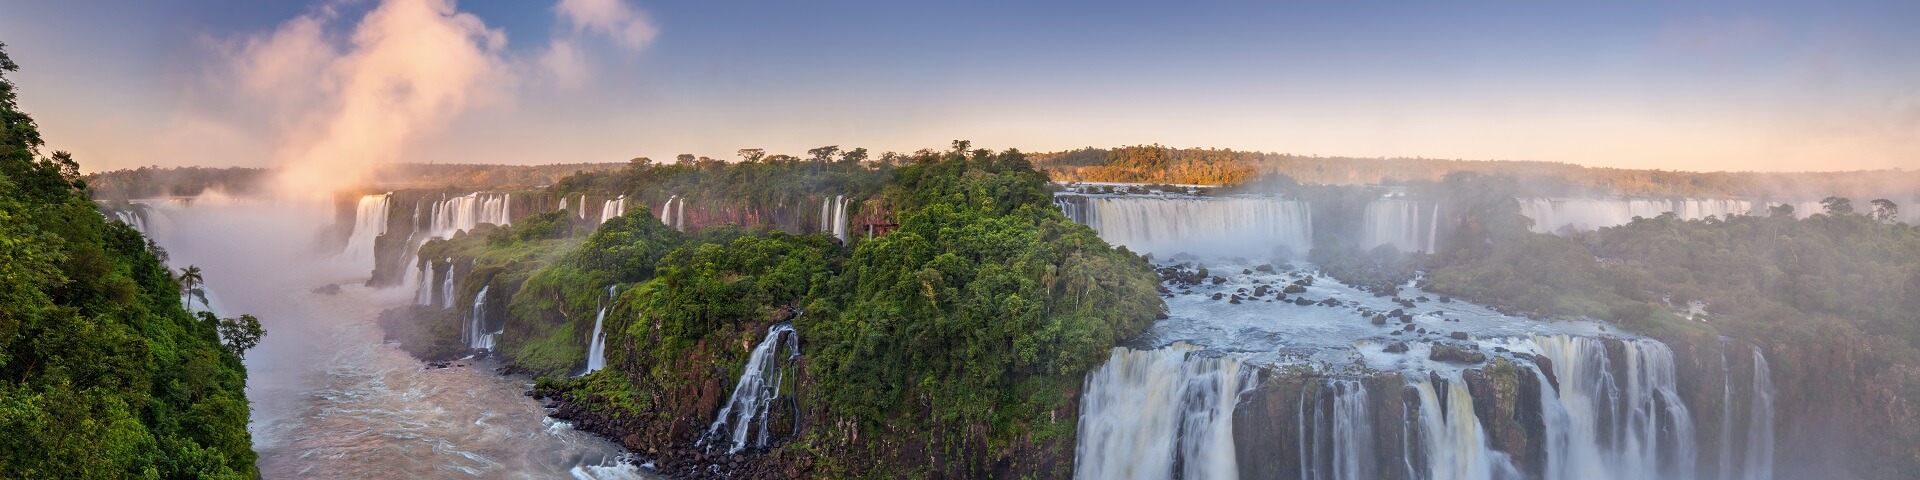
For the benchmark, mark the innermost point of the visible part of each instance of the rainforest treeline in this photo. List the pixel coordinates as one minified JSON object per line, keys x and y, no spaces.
{"x":103,"y":372}
{"x":1216,"y":166}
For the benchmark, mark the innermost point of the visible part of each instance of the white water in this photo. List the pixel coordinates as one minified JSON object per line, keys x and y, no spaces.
{"x":674,"y":213}
{"x":476,"y":333}
{"x":597,"y":350}
{"x":1457,"y":446}
{"x":369,"y":223}
{"x":1630,"y":427}
{"x":1759,"y":465}
{"x":1551,"y":214}
{"x":833,"y":216}
{"x":446,"y":285}
{"x":1254,"y":227}
{"x":1145,"y":411}
{"x":1338,"y":442}
{"x":468,"y":211}
{"x":1408,"y":225}
{"x":613,"y":208}
{"x":753,"y":396}
{"x":329,"y":398}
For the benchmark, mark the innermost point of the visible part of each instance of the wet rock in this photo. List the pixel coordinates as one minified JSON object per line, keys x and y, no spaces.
{"x":1219,"y":280}
{"x":1244,"y":271}
{"x":1218,"y":296}
{"x":1294,"y":289}
{"x":1302,"y":301}
{"x":1260,"y":291}
{"x":1458,"y":335}
{"x":1397,"y":347}
{"x":328,"y":289}
{"x":1160,"y":316}
{"x":1268,"y":268}
{"x":1379,"y":319}
{"x":1409,"y":327}
{"x":1234,"y":299}
{"x":1446,"y":299}
{"x":1453,"y":353}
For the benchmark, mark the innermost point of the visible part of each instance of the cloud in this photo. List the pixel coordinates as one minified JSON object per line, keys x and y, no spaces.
{"x":628,"y":27}
{"x":342,"y":105}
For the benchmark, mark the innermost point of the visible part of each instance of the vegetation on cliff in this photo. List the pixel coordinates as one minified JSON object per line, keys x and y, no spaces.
{"x":103,"y":372}
{"x":962,"y":336}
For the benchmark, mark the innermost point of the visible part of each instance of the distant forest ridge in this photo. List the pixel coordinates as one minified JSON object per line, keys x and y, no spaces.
{"x":1212,"y":166}
{"x":150,"y":182}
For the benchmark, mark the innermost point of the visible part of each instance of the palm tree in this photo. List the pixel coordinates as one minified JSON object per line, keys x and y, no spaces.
{"x":190,"y":282}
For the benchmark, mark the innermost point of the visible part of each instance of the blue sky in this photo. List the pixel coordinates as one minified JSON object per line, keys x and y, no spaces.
{"x":1674,"y":85}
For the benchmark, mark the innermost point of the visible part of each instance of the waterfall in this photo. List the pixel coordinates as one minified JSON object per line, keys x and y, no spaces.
{"x":674,"y":219}
{"x":597,"y":349}
{"x":1338,"y":442}
{"x":1457,"y":447}
{"x":1760,"y":422}
{"x":424,"y":297}
{"x":1237,"y":226}
{"x":833,"y":216}
{"x":477,"y":335}
{"x":468,"y":211}
{"x":613,"y":208}
{"x":1551,"y":214}
{"x":753,"y":396}
{"x":446,"y":286}
{"x":1726,"y":412}
{"x":840,"y":217}
{"x":1147,"y":411}
{"x":1399,"y":223}
{"x":1629,"y":426}
{"x":369,"y":223}
{"x":563,"y":203}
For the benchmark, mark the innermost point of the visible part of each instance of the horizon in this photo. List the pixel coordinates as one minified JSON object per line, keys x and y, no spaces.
{"x":343,"y":85}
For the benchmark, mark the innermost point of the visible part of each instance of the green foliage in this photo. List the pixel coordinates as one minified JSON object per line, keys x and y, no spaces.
{"x":103,"y":374}
{"x":703,"y":287}
{"x":567,"y":294}
{"x":983,"y":306}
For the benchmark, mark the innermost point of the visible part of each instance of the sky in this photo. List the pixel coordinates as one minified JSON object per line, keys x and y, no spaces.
{"x":329,"y":87}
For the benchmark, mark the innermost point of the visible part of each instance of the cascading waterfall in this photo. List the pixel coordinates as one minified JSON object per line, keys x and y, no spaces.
{"x":1147,"y":411}
{"x":1399,"y":223}
{"x":424,"y":295}
{"x":369,"y":223}
{"x":597,"y":349}
{"x":1336,"y":436}
{"x":1629,"y":426}
{"x":468,"y":211}
{"x":446,"y":286}
{"x":1233,"y":226}
{"x":613,"y":208}
{"x":1457,"y":446}
{"x":833,"y":216}
{"x":1551,"y":214}
{"x":478,"y":336}
{"x":1759,"y":465}
{"x":674,"y":213}
{"x":753,"y":396}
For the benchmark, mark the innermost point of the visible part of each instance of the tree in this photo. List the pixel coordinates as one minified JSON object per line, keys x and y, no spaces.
{"x":1837,"y":205}
{"x":237,"y":335}
{"x":961,"y":146}
{"x":824,"y":154}
{"x":855,"y":157}
{"x":1885,"y":210}
{"x":752,"y":155}
{"x":683,"y":159}
{"x":641,"y":162}
{"x":190,"y":280}
{"x":1784,"y":210}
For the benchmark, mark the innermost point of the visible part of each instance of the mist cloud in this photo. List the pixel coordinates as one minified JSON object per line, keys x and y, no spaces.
{"x":342,"y":95}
